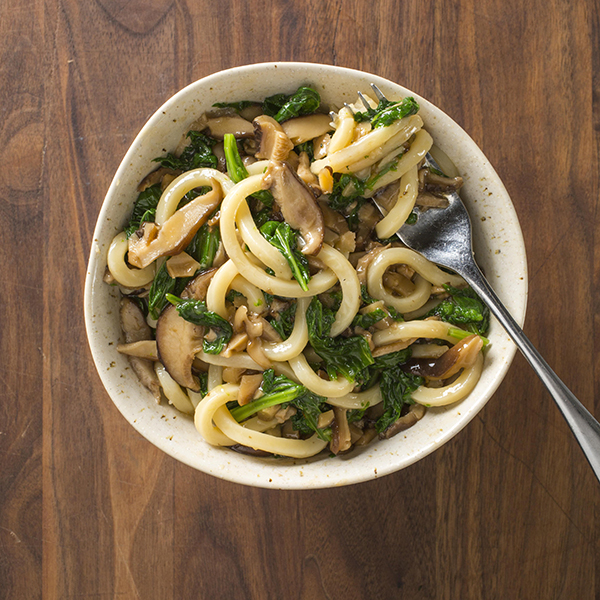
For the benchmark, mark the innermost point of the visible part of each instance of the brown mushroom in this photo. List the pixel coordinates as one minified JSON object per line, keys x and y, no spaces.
{"x":341,"y":436}
{"x":298,"y":205}
{"x":156,"y":177}
{"x":438,"y":184}
{"x":136,"y":329}
{"x":229,"y":123}
{"x":248,"y":386}
{"x":414,"y":414}
{"x":142,"y":349}
{"x":303,"y":129}
{"x":274,"y":144}
{"x":462,"y":355}
{"x":241,"y":449}
{"x":152,"y":242}
{"x":178,"y":340}
{"x":306,"y":174}
{"x":427,"y":200}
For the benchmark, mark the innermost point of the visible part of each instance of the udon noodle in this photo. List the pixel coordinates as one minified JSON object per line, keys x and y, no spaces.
{"x":264,"y":295}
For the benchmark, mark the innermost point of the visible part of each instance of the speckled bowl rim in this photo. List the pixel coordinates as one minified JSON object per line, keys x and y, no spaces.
{"x":498,"y":244}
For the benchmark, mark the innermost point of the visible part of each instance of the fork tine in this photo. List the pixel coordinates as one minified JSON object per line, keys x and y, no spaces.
{"x":364,"y":100}
{"x":378,"y":92}
{"x":349,"y":108}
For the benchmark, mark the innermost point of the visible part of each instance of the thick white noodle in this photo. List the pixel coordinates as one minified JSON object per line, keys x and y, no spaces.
{"x":407,"y":195}
{"x":218,"y":287}
{"x":185,"y":183}
{"x":287,"y":349}
{"x":254,"y":296}
{"x":124,"y":275}
{"x":218,"y":427}
{"x":203,"y":416}
{"x":454,"y":392}
{"x":256,"y":424}
{"x":418,"y":149}
{"x":406,"y":330}
{"x":240,"y":361}
{"x":321,"y":282}
{"x":172,"y":390}
{"x":266,"y":442}
{"x":430,"y":274}
{"x":394,"y":146}
{"x":369,"y":397}
{"x":344,"y":131}
{"x":335,"y":388}
{"x":228,"y":277}
{"x":368,"y":149}
{"x":257,"y":168}
{"x":259,"y":246}
{"x":350,"y":284}
{"x":195,"y":398}
{"x":215,"y":376}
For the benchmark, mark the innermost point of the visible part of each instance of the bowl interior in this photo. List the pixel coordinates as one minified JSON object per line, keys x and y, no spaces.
{"x":498,"y":244}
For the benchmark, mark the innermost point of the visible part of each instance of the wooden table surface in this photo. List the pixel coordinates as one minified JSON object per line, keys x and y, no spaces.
{"x":89,"y":509}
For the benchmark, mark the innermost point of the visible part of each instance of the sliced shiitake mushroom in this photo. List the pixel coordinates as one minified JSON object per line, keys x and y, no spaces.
{"x":414,"y":414}
{"x":136,"y":329}
{"x":178,"y":341}
{"x":461,"y":356}
{"x":273,"y":143}
{"x":308,"y":127}
{"x":229,"y":123}
{"x":152,"y":242}
{"x":298,"y":205}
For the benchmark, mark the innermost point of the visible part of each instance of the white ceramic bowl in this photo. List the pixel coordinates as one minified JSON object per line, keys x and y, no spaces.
{"x":498,"y":244}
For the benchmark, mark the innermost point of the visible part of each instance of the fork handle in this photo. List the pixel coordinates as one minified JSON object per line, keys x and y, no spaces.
{"x":584,"y":426}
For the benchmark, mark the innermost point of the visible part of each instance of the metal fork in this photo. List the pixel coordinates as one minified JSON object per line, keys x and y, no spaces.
{"x":443,"y":236}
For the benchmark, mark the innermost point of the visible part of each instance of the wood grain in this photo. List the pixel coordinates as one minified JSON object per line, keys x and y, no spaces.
{"x":88,"y":508}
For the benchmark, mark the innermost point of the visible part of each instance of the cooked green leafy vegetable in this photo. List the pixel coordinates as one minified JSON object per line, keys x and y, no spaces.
{"x":369,"y":319}
{"x":391,"y":166}
{"x":387,"y":112}
{"x":346,"y":189}
{"x":281,"y":107}
{"x":345,"y":356}
{"x":193,"y":194}
{"x":237,"y":171}
{"x":281,"y":390}
{"x":284,"y":323}
{"x":284,"y":238}
{"x":463,"y":308}
{"x":235,"y":167}
{"x":203,"y":379}
{"x":347,"y":198}
{"x":204,"y":245}
{"x":162,"y":285}
{"x":198,"y":153}
{"x":144,"y":208}
{"x":308,"y":148}
{"x":396,"y":389}
{"x":196,"y":312}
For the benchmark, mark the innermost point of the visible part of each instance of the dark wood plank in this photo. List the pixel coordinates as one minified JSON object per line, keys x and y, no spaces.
{"x":89,"y":508}
{"x":21,"y":240}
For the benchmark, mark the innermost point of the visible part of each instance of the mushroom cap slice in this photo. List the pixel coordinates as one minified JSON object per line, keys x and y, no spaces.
{"x":176,"y":233}
{"x":178,"y":341}
{"x":136,"y":329}
{"x":238,"y":126}
{"x":309,"y":127}
{"x":298,"y":205}
{"x":273,"y":143}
